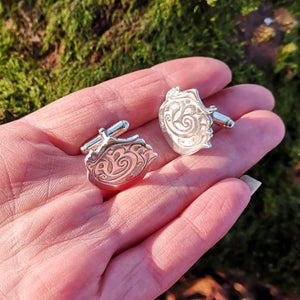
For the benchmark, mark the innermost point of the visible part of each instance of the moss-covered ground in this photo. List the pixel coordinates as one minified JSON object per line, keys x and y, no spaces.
{"x":50,"y":48}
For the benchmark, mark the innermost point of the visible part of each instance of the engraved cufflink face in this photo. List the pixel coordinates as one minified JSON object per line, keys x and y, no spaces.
{"x":186,"y":122}
{"x":113,"y":163}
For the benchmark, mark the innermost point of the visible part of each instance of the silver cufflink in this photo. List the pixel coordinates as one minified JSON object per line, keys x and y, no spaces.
{"x":186,"y":122}
{"x":113,"y":163}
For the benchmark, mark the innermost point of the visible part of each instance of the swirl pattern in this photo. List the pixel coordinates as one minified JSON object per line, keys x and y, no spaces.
{"x":119,"y":163}
{"x":185,"y":122}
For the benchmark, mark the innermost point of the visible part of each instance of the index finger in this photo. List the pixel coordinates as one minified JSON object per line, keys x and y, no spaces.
{"x":135,"y":97}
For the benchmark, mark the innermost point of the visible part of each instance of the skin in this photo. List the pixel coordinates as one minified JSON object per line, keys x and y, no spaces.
{"x":60,"y":240}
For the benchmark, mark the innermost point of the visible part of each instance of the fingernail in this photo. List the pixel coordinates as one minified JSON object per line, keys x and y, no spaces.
{"x":251,"y":182}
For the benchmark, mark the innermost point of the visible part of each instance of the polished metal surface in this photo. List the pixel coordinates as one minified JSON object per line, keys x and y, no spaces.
{"x":222,"y":120}
{"x":114,"y":131}
{"x":186,"y":122}
{"x":114,"y":163}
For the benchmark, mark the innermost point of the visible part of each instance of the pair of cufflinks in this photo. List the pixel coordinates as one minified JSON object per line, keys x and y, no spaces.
{"x":115,"y":164}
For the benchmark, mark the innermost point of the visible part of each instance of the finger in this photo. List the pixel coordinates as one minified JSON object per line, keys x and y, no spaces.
{"x":241,"y":99}
{"x":167,"y":191}
{"x":233,"y":101}
{"x":135,"y":97}
{"x":158,"y":262}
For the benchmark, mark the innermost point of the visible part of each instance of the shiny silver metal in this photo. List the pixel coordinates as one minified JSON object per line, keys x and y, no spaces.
{"x":186,"y":122}
{"x":116,"y":164}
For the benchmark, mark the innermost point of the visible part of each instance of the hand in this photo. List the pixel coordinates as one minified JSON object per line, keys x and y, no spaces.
{"x":59,"y":240}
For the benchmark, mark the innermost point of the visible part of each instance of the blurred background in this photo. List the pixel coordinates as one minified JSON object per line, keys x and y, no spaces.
{"x":51,"y":48}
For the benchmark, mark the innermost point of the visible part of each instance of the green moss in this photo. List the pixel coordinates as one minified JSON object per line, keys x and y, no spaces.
{"x":51,"y":48}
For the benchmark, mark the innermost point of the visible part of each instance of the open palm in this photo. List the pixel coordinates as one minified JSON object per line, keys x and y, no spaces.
{"x":61,"y":240}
